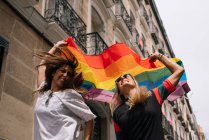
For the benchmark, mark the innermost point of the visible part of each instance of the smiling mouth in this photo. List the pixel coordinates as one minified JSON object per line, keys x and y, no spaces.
{"x":63,"y":79}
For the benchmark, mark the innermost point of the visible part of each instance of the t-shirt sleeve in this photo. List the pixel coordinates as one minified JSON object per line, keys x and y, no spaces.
{"x":118,"y":133}
{"x":117,"y":128}
{"x":76,"y":104}
{"x":163,"y":91}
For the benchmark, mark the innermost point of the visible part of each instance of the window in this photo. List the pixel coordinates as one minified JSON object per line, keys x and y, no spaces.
{"x":3,"y":48}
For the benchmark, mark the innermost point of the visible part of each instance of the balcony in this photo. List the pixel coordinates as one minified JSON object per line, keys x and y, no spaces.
{"x":135,"y":38}
{"x":144,"y":18}
{"x":121,"y":13}
{"x":61,"y":13}
{"x":167,"y":128}
{"x":175,"y":136}
{"x":187,"y":129}
{"x":190,"y":136}
{"x":154,"y":32}
{"x":192,"y":126}
{"x":183,"y":124}
{"x":176,"y":108}
{"x":95,"y":44}
{"x":182,"y":100}
{"x":171,"y":103}
{"x":139,"y":42}
{"x":180,"y":118}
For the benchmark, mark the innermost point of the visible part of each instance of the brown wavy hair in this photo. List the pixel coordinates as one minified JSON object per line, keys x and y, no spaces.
{"x":54,"y":62}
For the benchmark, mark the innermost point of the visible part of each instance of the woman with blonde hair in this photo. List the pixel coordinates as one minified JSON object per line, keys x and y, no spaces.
{"x":136,"y":111}
{"x":60,"y":110}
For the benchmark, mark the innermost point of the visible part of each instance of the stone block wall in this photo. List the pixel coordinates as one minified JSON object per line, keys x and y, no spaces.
{"x":18,"y":75}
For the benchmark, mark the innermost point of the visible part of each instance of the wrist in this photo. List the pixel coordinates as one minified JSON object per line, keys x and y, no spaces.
{"x":159,"y":57}
{"x":53,"y":49}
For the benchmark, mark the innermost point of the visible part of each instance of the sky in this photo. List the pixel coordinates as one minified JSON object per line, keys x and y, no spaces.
{"x":187,"y":25}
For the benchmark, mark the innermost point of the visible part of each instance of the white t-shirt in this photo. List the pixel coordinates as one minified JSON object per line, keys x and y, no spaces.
{"x":62,"y":118}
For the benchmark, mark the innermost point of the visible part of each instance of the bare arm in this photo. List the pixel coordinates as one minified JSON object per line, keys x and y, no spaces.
{"x":41,"y":69}
{"x":174,"y":68}
{"x":88,"y":131}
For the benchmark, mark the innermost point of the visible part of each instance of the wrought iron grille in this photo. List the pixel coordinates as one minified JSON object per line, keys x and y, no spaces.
{"x":95,"y":44}
{"x":175,"y":135}
{"x":154,"y":32}
{"x":64,"y":15}
{"x":135,"y":37}
{"x":120,"y":12}
{"x":143,"y":13}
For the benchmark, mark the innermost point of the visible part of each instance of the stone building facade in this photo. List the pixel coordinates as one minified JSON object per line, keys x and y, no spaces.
{"x":94,"y":24}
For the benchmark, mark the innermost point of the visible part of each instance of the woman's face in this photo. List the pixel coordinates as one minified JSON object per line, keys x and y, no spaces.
{"x":125,"y":82}
{"x":62,"y":76}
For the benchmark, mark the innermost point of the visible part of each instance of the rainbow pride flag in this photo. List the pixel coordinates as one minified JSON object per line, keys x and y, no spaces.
{"x":101,"y":71}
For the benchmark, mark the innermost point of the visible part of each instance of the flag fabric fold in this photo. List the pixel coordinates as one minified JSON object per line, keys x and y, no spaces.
{"x":101,"y":71}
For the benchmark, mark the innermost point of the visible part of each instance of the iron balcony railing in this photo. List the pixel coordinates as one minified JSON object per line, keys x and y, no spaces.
{"x":167,"y":128}
{"x":62,"y":13}
{"x":135,"y":38}
{"x":175,"y":136}
{"x":139,"y":42}
{"x":176,"y":108}
{"x":143,"y":13}
{"x":154,"y":32}
{"x":171,"y":102}
{"x":95,"y":44}
{"x":120,"y":12}
{"x":180,"y":118}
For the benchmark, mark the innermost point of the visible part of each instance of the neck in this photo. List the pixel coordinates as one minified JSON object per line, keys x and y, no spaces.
{"x":128,"y":92}
{"x":54,"y":87}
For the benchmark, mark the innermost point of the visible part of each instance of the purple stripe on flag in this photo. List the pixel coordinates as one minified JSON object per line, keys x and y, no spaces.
{"x":99,"y":95}
{"x":181,"y":89}
{"x":106,"y":96}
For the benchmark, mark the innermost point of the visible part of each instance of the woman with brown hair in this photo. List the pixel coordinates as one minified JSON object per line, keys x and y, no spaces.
{"x":60,"y":110}
{"x":137,"y":112}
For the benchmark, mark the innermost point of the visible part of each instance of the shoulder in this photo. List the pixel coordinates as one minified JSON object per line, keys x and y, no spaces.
{"x":122,"y":107}
{"x":72,"y":94}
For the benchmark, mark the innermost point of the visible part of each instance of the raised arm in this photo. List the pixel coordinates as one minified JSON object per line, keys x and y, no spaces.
{"x":88,"y":130}
{"x":174,"y":68}
{"x":42,"y":68}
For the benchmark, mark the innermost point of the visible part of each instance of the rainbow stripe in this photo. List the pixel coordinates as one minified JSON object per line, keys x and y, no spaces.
{"x":101,"y":71}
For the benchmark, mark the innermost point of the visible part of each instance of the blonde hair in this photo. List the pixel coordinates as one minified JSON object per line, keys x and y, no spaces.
{"x":139,"y":97}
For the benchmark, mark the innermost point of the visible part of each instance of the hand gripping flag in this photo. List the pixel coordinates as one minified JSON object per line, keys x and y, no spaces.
{"x":100,"y":71}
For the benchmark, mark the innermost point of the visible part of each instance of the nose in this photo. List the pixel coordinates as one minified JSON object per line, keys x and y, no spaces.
{"x":122,"y":80}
